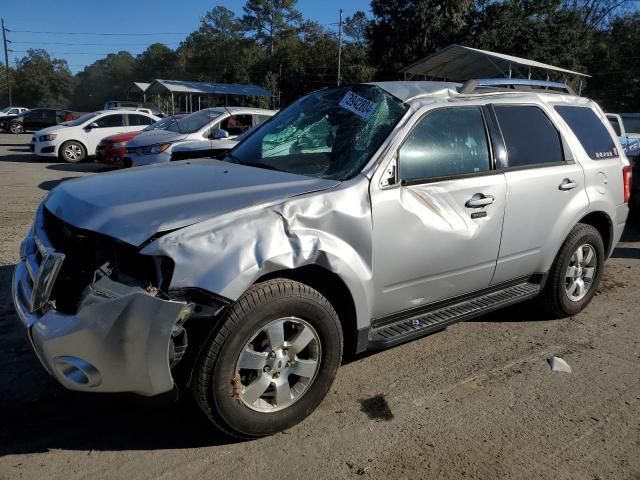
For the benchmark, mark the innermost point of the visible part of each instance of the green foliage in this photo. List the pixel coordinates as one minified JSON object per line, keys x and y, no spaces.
{"x":42,"y":81}
{"x":272,"y":45}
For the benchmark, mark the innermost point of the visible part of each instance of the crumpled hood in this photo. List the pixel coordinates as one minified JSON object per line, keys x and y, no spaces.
{"x":153,"y":137}
{"x":134,"y":204}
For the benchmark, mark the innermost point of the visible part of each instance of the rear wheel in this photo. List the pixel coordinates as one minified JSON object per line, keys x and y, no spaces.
{"x":272,"y":360}
{"x":72,"y":152}
{"x":576,"y":272}
{"x":16,"y":127}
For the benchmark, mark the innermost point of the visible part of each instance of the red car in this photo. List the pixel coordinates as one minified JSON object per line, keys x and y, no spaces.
{"x":112,"y":150}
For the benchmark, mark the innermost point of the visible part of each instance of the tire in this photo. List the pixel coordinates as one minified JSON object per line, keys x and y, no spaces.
{"x":229,"y":394}
{"x":562,"y":295}
{"x":16,"y":127}
{"x":72,"y":152}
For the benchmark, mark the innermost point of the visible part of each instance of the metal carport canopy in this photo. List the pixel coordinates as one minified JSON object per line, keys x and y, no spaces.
{"x":202,"y":88}
{"x":460,"y":63}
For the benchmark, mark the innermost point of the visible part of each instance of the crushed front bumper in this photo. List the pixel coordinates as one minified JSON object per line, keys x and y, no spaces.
{"x":119,"y":344}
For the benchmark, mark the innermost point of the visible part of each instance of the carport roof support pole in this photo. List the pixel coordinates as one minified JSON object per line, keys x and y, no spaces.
{"x":173,"y":108}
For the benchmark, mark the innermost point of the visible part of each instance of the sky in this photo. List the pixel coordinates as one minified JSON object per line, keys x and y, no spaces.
{"x":167,"y":22}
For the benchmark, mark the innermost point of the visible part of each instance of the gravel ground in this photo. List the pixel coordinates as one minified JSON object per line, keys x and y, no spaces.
{"x":476,"y":401}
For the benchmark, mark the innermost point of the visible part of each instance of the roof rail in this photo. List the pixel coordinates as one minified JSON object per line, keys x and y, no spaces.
{"x":471,"y":86}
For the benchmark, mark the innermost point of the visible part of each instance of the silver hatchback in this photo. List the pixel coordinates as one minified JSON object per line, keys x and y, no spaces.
{"x":357,"y":218}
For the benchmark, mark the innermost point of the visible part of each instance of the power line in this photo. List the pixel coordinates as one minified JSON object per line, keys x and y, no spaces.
{"x":93,"y":44}
{"x":99,"y":33}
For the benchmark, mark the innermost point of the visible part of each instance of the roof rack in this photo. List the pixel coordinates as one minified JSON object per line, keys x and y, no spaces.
{"x":472,"y":86}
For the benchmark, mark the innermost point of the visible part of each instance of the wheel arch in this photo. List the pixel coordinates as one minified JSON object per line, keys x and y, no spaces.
{"x":335,"y":290}
{"x":601,"y":222}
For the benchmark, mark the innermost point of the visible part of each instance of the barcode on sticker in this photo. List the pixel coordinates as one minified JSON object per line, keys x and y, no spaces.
{"x":358,"y":105}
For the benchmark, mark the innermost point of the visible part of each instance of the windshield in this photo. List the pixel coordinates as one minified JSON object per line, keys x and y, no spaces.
{"x":6,"y":109}
{"x":631,"y":124}
{"x":81,"y":120}
{"x":160,"y":124}
{"x":328,"y":134}
{"x":194,"y":122}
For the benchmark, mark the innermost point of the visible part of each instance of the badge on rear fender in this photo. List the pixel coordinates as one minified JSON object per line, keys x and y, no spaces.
{"x":358,"y":105}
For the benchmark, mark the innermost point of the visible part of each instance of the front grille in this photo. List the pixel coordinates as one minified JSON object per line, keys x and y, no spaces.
{"x":86,"y":251}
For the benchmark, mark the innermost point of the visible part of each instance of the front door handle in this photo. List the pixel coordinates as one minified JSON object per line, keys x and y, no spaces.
{"x":568,"y":184}
{"x":479,"y":200}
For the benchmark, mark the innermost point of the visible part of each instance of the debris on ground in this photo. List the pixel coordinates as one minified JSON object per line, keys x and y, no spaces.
{"x":557,"y":364}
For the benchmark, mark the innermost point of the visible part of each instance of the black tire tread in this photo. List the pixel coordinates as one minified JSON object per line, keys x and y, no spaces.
{"x":257,"y":294}
{"x":549,"y":299}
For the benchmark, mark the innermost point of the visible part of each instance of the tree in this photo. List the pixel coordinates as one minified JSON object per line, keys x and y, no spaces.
{"x":270,"y":19}
{"x":355,"y":28}
{"x":220,"y":22}
{"x":157,"y":61}
{"x":42,"y":81}
{"x":403,"y":31}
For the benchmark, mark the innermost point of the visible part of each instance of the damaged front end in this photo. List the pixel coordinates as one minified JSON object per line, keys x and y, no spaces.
{"x":96,"y":311}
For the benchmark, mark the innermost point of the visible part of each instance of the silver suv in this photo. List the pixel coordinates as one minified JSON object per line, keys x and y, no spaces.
{"x":357,"y":218}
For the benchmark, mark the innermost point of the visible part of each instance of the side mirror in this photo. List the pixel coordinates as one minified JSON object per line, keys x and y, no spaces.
{"x":218,"y":134}
{"x":91,"y":125}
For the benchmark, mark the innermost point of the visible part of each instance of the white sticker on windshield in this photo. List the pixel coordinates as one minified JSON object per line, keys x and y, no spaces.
{"x":358,"y":105}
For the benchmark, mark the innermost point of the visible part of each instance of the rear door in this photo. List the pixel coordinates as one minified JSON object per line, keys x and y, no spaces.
{"x":136,"y":122}
{"x":545,"y":191}
{"x":436,"y":233}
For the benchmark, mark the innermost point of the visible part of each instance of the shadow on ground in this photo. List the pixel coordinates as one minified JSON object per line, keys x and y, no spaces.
{"x":37,"y":414}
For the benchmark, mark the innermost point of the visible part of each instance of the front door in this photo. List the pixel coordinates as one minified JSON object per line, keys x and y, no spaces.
{"x":436,"y":233}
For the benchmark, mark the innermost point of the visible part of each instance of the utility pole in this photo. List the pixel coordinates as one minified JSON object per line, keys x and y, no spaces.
{"x":339,"y":46}
{"x":6,"y":60}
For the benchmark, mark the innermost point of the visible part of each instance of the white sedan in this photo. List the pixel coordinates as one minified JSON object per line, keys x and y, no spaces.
{"x":75,"y":140}
{"x":213,"y":125}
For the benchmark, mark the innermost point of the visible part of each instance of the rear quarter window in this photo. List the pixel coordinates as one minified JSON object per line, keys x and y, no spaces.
{"x":589,"y":130}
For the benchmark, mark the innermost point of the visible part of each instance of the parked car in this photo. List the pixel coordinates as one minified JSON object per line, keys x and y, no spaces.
{"x":35,"y":119}
{"x":149,"y":108}
{"x":209,"y":148}
{"x":394,"y":210}
{"x":208,"y":124}
{"x":73,"y":141}
{"x":627,"y":127}
{"x":112,"y":150}
{"x":7,"y":111}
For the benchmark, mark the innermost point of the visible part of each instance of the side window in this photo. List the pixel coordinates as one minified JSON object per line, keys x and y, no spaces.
{"x":13,"y":111}
{"x":530,"y":137}
{"x":49,"y":116}
{"x":139,"y":120}
{"x":590,"y":130}
{"x":110,"y":121}
{"x":258,"y":119}
{"x":236,"y":124}
{"x":451,"y":141}
{"x":616,"y":125}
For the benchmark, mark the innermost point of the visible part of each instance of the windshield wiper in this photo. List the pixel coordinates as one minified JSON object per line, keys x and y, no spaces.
{"x":236,"y":160}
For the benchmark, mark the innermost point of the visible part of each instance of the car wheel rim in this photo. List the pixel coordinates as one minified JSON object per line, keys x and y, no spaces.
{"x":72,"y":152}
{"x":277,"y":365}
{"x":16,"y":129}
{"x":580,"y":272}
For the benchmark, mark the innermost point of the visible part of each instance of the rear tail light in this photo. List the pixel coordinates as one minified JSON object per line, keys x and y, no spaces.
{"x":626,"y":181}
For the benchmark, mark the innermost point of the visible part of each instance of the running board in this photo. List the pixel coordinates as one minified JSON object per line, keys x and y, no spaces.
{"x":412,"y":324}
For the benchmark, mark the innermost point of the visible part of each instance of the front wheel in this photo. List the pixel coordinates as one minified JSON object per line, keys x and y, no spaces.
{"x":576,"y":272}
{"x":72,"y":152}
{"x":271,"y":361}
{"x":16,"y":127}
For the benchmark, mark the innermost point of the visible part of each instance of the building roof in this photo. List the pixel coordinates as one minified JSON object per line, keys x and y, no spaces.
{"x":142,"y":86}
{"x":179,"y":86}
{"x":460,"y":63}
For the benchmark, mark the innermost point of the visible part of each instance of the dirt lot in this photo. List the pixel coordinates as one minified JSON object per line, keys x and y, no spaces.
{"x":477,"y":400}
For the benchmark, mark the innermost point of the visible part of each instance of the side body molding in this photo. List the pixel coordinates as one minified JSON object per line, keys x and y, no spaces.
{"x":330,"y":228}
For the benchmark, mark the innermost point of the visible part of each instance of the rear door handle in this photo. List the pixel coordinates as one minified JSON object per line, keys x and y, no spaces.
{"x":479,"y":200}
{"x":568,"y":184}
